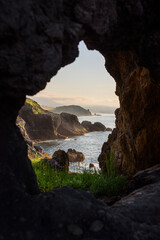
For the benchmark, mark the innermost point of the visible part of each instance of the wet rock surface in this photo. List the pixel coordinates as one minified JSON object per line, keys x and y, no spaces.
{"x":70,"y":126}
{"x":144,"y":177}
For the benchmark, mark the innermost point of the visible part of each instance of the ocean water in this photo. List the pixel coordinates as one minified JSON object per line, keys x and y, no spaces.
{"x":89,"y":144}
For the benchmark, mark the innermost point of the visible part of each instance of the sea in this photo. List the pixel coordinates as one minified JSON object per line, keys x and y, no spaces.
{"x":89,"y":144}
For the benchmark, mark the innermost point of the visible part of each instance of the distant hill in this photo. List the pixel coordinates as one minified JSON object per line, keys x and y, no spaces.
{"x":72,"y":109}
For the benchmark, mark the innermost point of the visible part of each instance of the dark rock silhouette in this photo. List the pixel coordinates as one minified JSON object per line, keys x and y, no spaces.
{"x":37,"y":38}
{"x":144,"y":178}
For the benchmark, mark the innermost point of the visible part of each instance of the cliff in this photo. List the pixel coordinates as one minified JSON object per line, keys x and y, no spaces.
{"x":43,"y":125}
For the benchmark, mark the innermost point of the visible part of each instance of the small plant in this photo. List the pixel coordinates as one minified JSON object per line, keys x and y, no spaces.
{"x":110,"y":164}
{"x":97,"y":182}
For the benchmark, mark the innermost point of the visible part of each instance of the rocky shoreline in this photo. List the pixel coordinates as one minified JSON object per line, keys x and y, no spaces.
{"x":41,"y":125}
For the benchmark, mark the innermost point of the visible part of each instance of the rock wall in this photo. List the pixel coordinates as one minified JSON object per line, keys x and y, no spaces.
{"x":131,"y":49}
{"x":137,"y":120}
{"x":39,"y":37}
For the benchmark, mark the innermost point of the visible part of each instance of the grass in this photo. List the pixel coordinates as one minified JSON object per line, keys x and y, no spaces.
{"x":110,"y":164}
{"x":97,"y":182}
{"x":36,"y":108}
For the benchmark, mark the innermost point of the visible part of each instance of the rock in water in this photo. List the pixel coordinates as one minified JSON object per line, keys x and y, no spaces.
{"x":91,"y":165}
{"x":91,"y":127}
{"x":75,"y":156}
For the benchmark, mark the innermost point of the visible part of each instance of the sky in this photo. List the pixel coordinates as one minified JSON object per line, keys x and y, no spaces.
{"x":84,"y":82}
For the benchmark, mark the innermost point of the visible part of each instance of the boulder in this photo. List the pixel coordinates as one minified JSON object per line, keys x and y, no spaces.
{"x":59,"y":161}
{"x":38,"y":38}
{"x":109,"y":129}
{"x":75,"y":156}
{"x":91,"y":165}
{"x":144,"y":177}
{"x":91,"y":127}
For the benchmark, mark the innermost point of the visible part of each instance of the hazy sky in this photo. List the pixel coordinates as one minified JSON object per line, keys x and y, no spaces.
{"x":84,"y":82}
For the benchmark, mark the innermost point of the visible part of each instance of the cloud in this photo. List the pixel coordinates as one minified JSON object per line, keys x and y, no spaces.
{"x":52,"y":99}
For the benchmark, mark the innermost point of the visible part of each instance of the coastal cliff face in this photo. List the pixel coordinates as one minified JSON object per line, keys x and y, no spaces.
{"x":37,"y":38}
{"x":42,"y":125}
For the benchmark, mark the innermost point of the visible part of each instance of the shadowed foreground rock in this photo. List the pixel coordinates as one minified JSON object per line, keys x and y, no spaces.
{"x":67,"y":214}
{"x":59,"y":161}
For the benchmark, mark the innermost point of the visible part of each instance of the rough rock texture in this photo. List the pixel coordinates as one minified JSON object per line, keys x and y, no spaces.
{"x":59,"y":161}
{"x":144,"y":177}
{"x":70,"y":126}
{"x":74,"y":214}
{"x":39,"y":37}
{"x":75,"y":156}
{"x":45,"y":37}
{"x":43,"y":125}
{"x":91,"y":127}
{"x":33,"y":149}
{"x":138,"y":119}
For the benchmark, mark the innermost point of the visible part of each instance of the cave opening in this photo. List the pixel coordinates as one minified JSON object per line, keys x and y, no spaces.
{"x":39,"y":37}
{"x":88,"y":89}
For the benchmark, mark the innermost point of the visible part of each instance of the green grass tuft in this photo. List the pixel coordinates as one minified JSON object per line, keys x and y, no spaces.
{"x":35,"y":106}
{"x":97,"y":182}
{"x":110,"y":165}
